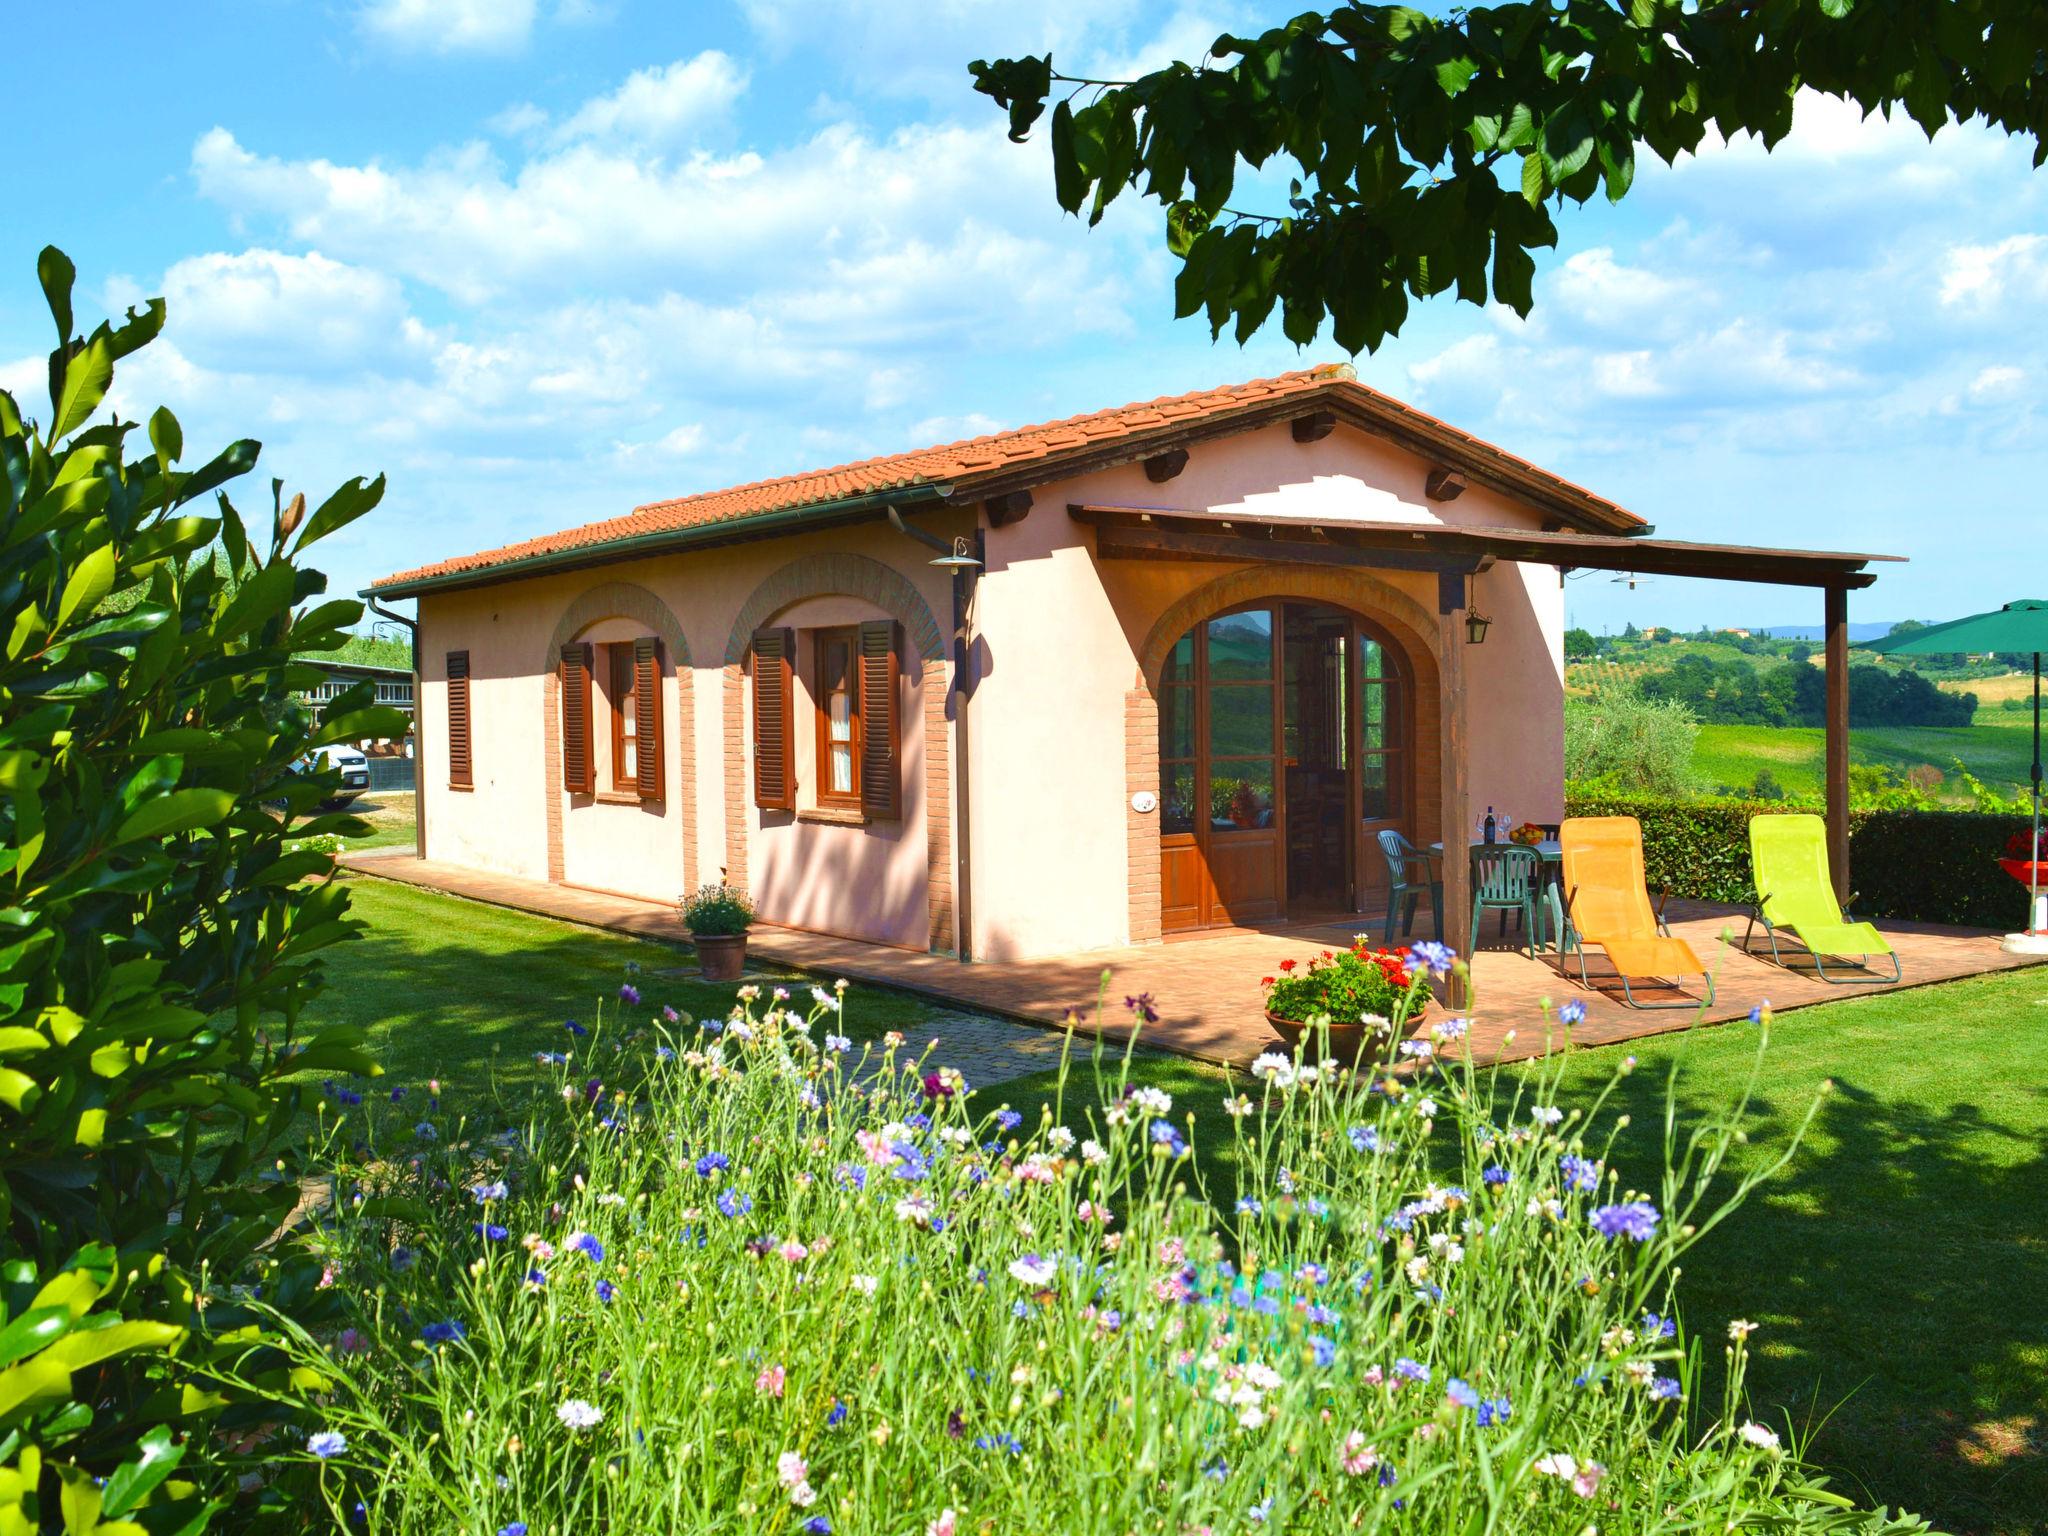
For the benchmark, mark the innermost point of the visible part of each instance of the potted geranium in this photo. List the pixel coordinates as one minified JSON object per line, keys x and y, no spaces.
{"x":1347,"y":1005}
{"x":718,"y":917}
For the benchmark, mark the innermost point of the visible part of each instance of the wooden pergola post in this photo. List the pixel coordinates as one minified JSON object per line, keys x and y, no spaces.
{"x":1455,"y":815}
{"x":1837,"y":635}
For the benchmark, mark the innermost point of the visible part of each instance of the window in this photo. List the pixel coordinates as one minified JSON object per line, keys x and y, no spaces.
{"x":624,"y":704}
{"x":460,"y":775}
{"x":835,"y":693}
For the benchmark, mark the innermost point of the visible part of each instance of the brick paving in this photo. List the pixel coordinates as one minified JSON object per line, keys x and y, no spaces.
{"x":1206,"y":990}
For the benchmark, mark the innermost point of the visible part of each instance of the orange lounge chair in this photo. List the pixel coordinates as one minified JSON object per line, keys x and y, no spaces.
{"x":1607,"y":904}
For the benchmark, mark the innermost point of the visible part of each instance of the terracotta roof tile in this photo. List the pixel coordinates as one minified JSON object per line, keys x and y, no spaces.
{"x":956,"y":466}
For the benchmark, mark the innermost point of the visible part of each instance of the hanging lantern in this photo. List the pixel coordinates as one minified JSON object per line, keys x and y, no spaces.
{"x":1476,"y":625}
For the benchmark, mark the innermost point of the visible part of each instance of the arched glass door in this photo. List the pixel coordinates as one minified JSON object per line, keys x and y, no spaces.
{"x":1282,"y":746}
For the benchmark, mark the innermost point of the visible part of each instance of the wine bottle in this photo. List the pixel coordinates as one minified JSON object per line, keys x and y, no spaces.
{"x":1492,"y":826}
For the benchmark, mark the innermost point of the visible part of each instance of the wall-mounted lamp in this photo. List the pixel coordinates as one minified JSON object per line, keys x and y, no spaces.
{"x":1476,"y":625}
{"x":959,"y":559}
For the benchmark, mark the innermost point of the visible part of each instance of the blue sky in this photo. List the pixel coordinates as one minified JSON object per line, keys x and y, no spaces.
{"x":540,"y":260}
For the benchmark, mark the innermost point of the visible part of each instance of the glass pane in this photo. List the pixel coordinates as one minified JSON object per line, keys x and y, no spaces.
{"x":1241,"y":647}
{"x":1177,"y":723}
{"x":1375,"y":788}
{"x":840,"y":717}
{"x":842,"y":768}
{"x":1241,"y":796}
{"x":1241,"y":721}
{"x":1177,"y":798}
{"x":1180,"y":661}
{"x":1372,"y":706}
{"x":1372,"y":660}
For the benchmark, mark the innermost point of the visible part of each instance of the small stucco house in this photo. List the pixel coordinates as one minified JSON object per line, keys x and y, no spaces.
{"x":1153,"y":670}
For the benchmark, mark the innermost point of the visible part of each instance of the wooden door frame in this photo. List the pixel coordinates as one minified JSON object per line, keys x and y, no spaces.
{"x":1401,"y":719}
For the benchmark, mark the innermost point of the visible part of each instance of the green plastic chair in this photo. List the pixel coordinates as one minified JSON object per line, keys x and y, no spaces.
{"x":1407,"y":891}
{"x":1796,"y":898}
{"x":1507,"y":878}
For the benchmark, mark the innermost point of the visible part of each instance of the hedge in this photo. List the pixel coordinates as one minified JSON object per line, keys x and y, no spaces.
{"x":1929,"y":866}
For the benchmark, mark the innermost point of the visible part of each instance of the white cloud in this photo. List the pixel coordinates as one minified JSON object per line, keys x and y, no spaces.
{"x":267,"y":311}
{"x":450,"y":26}
{"x":1978,"y":276}
{"x":662,"y":105}
{"x":1997,"y":381}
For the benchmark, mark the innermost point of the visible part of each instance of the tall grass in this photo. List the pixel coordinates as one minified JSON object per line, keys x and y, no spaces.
{"x":733,"y":1277}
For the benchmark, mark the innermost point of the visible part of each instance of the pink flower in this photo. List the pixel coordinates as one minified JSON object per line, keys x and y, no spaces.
{"x":791,"y":1469}
{"x":1357,"y":1458}
{"x":948,"y":1524}
{"x":770,"y":1381}
{"x":1587,"y":1481}
{"x":351,"y":1342}
{"x":793,"y":1251}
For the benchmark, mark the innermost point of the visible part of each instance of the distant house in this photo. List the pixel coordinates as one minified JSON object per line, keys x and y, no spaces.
{"x":394,"y":684}
{"x":1168,"y":667}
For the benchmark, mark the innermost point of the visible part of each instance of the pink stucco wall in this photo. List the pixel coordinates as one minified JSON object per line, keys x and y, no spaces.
{"x":1058,"y":641}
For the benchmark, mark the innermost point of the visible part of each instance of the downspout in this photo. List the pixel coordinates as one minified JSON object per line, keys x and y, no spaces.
{"x":962,"y":690}
{"x":419,"y":729}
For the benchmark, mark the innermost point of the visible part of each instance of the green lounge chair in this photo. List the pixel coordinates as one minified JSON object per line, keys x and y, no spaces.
{"x":1796,"y":898}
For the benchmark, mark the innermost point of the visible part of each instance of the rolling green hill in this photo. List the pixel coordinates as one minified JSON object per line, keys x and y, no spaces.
{"x":1997,"y":748}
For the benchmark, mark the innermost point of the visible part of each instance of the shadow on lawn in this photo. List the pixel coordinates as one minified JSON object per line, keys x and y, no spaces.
{"x":1898,"y":1267}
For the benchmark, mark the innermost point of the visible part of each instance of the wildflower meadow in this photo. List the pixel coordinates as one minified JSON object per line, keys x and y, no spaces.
{"x":733,"y":1275}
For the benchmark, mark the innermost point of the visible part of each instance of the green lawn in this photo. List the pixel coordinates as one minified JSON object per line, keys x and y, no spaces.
{"x":1899,"y":1266}
{"x":390,"y":817}
{"x":446,"y":987}
{"x":1998,"y":748}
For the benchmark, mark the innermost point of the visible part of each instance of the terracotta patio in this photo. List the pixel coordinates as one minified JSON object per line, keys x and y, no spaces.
{"x":1206,"y":990}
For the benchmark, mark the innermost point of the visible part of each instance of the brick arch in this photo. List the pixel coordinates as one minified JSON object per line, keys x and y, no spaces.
{"x":622,"y":600}
{"x":838,"y":575}
{"x":1407,"y":621}
{"x":870,"y":581}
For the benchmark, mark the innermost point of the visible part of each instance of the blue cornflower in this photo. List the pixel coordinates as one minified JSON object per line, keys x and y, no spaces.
{"x":574,"y":1028}
{"x":1580,"y":1173}
{"x":1635,"y":1219}
{"x":734,"y":1203}
{"x":1571,"y":1012}
{"x":492,"y":1191}
{"x":1219,"y":1469}
{"x":536,"y":1277}
{"x":588,"y":1246}
{"x":629,"y":995}
{"x":911,"y":1163}
{"x":1432,"y":957}
{"x":665,"y":1053}
{"x":327,"y":1443}
{"x":426,"y":1132}
{"x":1656,"y":1326}
{"x":837,"y":1416}
{"x":516,"y":1528}
{"x":918,"y":1122}
{"x":490,"y":1231}
{"x":1009,"y":1443}
{"x":712,"y":1162}
{"x":1363,"y":1138}
{"x":1461,"y":1393}
{"x":1166,"y":1136}
{"x":1008,"y":1119}
{"x":1323,"y":1351}
{"x":1495,"y":1175}
{"x":1247,"y":1206}
{"x":1411,"y":1370}
{"x":851,"y":1175}
{"x":398,"y":1094}
{"x":1664,"y":1389}
{"x":1492,"y":1411}
{"x":402,"y":1259}
{"x":606,"y":1291}
{"x":817,"y":1525}
{"x":443,"y":1333}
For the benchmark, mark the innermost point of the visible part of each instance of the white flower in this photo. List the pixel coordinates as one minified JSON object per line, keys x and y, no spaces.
{"x":1373,"y":1020}
{"x":1740,"y":1329}
{"x":914,"y":1209}
{"x":1425,"y":1109}
{"x":577,"y":1414}
{"x":1760,"y":1437}
{"x":865,"y":1284}
{"x":1557,"y":1464}
{"x":1238,"y":1107}
{"x":791,"y":1469}
{"x":1060,"y":1137}
{"x":1275,"y":1069}
{"x":1034,"y":1270}
{"x":1545,"y":1114}
{"x":1155,"y":1101}
{"x":1093,"y":1153}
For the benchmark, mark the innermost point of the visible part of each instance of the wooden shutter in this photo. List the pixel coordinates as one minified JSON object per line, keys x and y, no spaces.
{"x":774,"y":756}
{"x":578,"y":774}
{"x":460,"y":771}
{"x":881,"y":794}
{"x":647,"y":709}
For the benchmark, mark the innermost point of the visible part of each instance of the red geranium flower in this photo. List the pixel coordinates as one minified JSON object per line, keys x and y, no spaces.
{"x":1286,"y":966}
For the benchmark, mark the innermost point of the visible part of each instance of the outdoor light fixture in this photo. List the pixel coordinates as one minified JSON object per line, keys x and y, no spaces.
{"x":958,"y":559}
{"x":1476,"y":625}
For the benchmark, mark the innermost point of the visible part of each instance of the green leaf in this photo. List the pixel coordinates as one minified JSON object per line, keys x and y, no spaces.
{"x":56,"y":273}
{"x":32,"y":1382}
{"x":91,"y":579}
{"x":86,"y":378}
{"x":35,"y":1329}
{"x":348,"y":503}
{"x":182,"y":810}
{"x":166,"y":436}
{"x":89,"y":1346}
{"x":133,"y":1481}
{"x":1070,"y":183}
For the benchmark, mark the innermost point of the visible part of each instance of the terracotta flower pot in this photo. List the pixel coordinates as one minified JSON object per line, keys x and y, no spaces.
{"x":721,"y":956}
{"x":1339,"y":1044}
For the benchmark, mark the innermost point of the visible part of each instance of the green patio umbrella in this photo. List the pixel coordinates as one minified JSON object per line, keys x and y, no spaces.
{"x":2019,"y":626}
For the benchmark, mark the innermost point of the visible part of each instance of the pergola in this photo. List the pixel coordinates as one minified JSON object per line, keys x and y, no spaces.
{"x":1458,"y":552}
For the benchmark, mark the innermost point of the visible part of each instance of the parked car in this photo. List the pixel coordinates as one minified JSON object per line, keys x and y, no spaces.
{"x":353,"y":766}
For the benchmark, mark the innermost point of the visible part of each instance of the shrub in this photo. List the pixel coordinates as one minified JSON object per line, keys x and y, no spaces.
{"x":718,"y":910}
{"x":1928,"y":866}
{"x":161,"y":940}
{"x":1349,"y":984}
{"x":732,"y":1279}
{"x":1616,"y":735}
